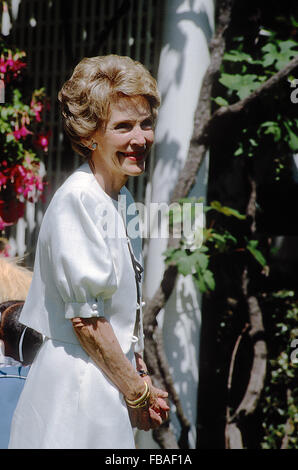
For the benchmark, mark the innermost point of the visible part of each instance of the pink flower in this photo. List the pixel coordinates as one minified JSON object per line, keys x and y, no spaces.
{"x":17,"y":134}
{"x":27,"y":182}
{"x":3,"y":179}
{"x":43,"y":141}
{"x":37,"y":109}
{"x":17,"y":65}
{"x":23,"y":132}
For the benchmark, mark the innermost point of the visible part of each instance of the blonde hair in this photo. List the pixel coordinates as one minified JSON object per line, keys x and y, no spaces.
{"x":96,"y":81}
{"x":15,"y":280}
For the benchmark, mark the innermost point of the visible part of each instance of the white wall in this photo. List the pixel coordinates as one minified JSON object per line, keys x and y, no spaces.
{"x":188,"y":27}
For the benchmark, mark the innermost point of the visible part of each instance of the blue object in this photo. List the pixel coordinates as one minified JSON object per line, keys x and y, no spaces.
{"x":12,"y":380}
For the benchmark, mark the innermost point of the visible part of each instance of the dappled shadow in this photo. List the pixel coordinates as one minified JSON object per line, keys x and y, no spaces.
{"x":200,"y":20}
{"x":184,"y":331}
{"x":168,"y":163}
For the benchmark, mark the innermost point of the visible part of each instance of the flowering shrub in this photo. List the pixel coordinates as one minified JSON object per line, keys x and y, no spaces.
{"x":23,"y":138}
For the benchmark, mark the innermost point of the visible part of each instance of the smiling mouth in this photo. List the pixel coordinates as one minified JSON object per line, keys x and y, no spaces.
{"x":134,"y":156}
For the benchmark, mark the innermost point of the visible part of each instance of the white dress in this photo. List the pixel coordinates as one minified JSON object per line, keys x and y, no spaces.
{"x":82,"y":268}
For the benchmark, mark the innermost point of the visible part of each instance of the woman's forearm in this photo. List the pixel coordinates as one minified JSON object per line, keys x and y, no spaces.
{"x":98,"y":339}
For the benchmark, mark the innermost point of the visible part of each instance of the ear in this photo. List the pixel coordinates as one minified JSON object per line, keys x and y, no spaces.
{"x":87,"y":143}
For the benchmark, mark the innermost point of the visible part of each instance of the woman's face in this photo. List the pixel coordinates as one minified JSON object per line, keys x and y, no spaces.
{"x":124,"y":144}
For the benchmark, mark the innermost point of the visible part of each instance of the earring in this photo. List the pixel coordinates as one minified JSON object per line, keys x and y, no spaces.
{"x":94,"y":145}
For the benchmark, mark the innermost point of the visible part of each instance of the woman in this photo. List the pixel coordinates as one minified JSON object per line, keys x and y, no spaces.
{"x":89,"y":379}
{"x":18,"y":346}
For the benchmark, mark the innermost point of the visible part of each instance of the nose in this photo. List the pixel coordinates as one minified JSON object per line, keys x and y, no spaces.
{"x":138,"y":138}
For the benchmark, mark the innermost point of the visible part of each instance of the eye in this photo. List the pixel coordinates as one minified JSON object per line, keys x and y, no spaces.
{"x":123,"y":126}
{"x":147,"y":124}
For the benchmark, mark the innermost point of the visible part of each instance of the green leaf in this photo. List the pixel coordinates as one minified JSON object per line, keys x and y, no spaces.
{"x":293,"y":21}
{"x":279,"y":54}
{"x":201,"y":285}
{"x":183,"y":261}
{"x":209,"y":279}
{"x":270,"y":55}
{"x":220,"y":101}
{"x":187,"y":263}
{"x":239,"y":56}
{"x":239,"y":150}
{"x":227,"y":210}
{"x":242,"y":84}
{"x":200,"y":260}
{"x":252,"y":248}
{"x":272,"y":127}
{"x":292,"y":137}
{"x":169,"y":253}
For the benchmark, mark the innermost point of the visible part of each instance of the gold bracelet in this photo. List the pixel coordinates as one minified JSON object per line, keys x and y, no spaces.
{"x":141,"y":405}
{"x":141,"y":401}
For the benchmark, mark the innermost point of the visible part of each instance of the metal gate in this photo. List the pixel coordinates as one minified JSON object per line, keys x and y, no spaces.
{"x":56,"y":34}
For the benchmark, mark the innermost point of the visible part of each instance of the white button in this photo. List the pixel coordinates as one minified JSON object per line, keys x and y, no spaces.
{"x":134,"y":339}
{"x":143,"y":304}
{"x":94,"y":307}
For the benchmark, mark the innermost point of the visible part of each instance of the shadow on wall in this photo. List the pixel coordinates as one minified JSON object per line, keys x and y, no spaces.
{"x":198,"y":19}
{"x":168,"y":149}
{"x":184,"y":332}
{"x":187,"y":23}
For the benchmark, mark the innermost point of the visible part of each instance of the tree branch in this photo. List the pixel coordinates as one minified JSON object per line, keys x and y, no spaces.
{"x":243,"y":105}
{"x":256,"y":333}
{"x":204,"y":132}
{"x":258,"y":370}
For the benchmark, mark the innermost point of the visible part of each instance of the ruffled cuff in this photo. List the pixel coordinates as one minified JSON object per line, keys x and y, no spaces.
{"x":94,"y":308}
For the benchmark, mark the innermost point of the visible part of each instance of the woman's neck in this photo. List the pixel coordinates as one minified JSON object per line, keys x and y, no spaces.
{"x":110,"y":185}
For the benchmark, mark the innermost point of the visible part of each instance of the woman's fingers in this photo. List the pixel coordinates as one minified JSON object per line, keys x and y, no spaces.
{"x":163,"y":404}
{"x":155,"y":418}
{"x":162,"y":393}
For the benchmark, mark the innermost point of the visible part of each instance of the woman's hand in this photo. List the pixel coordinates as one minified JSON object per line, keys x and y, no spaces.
{"x":158,"y":407}
{"x":154,"y":414}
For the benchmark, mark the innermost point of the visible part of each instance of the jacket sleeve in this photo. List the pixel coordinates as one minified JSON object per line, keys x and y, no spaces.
{"x":79,"y":256}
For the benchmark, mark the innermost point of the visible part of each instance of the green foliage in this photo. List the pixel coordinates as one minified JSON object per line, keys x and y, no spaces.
{"x":23,"y":139}
{"x":242,"y":72}
{"x":192,"y":258}
{"x":243,"y":85}
{"x":252,"y":248}
{"x":280,"y":399}
{"x":266,"y":137}
{"x":272,"y":57}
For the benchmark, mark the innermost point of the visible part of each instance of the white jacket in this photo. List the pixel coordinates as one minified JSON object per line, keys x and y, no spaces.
{"x":82,"y":268}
